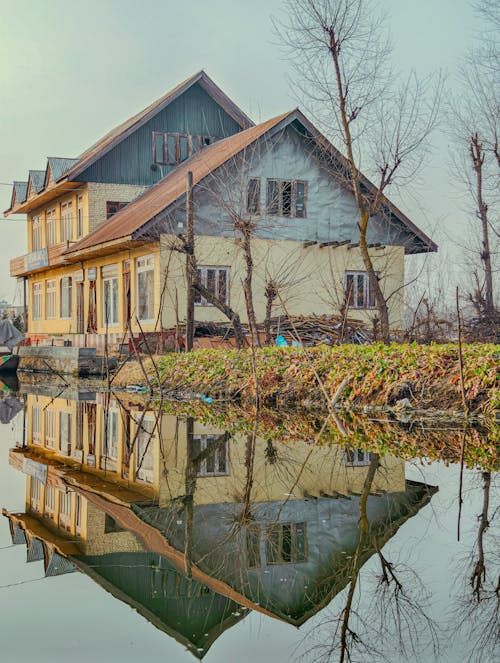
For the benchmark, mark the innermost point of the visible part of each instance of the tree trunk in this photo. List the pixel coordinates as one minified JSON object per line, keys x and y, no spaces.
{"x":382,"y":307}
{"x":477,"y":156}
{"x":231,"y":315}
{"x":270,"y":294}
{"x":247,"y":286}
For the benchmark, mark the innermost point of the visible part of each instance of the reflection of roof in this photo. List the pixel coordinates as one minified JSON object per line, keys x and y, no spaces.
{"x":293,"y":592}
{"x":183,"y":608}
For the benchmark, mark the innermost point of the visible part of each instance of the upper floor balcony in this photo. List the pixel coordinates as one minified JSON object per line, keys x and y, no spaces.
{"x":37,"y":261}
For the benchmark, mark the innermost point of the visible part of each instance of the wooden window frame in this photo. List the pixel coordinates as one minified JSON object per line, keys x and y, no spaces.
{"x":167,"y":159}
{"x":256,"y":198}
{"x":352,"y":459}
{"x":293,"y":198}
{"x":293,"y":547}
{"x":79,"y":217}
{"x":118,"y":204}
{"x":51,"y":221}
{"x":369,"y":302}
{"x":205,"y":441}
{"x":66,"y":222}
{"x":69,"y":312}
{"x":51,"y":290}
{"x":145,"y":264}
{"x":36,"y":233}
{"x":201,"y":301}
{"x":37,"y":296}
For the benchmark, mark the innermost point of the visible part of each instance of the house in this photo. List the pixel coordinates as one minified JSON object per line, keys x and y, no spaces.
{"x":156,"y":519}
{"x":103,"y":229}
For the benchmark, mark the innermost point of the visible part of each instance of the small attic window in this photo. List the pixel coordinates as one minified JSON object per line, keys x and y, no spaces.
{"x":112,"y":207}
{"x":170,"y":149}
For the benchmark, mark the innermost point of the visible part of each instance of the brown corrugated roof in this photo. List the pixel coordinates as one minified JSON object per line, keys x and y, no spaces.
{"x":120,"y":132}
{"x":171,"y":187}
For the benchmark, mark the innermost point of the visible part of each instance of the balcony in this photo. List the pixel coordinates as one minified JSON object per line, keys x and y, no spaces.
{"x":37,"y":261}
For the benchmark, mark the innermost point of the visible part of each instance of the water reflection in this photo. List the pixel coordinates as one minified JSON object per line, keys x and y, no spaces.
{"x":195,"y":526}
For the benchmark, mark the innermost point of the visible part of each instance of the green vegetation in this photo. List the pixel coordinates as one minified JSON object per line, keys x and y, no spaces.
{"x":429,"y":374}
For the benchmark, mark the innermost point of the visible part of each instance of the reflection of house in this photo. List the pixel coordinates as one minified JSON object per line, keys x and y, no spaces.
{"x":100,"y":226}
{"x":189,"y":544}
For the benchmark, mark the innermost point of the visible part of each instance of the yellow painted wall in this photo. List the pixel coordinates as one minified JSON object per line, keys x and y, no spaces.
{"x":59,"y":325}
{"x":313,"y":278}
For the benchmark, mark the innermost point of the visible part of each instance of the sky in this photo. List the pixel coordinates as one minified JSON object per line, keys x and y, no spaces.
{"x":71,"y":70}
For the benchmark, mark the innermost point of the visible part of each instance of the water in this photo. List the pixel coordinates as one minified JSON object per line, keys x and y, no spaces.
{"x":165,"y":537}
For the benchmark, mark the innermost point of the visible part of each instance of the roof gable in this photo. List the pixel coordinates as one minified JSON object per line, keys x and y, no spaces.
{"x":128,"y":222}
{"x":19,"y":193}
{"x":122,"y":131}
{"x":56,"y":168}
{"x":36,"y":180}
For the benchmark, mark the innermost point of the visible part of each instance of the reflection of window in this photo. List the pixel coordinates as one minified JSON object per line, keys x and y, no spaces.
{"x":78,"y":513}
{"x":216,"y":281}
{"x":253,"y":546}
{"x":112,"y":207}
{"x":213,"y":450}
{"x":144,"y":451}
{"x":110,"y":439}
{"x":253,"y":196}
{"x":66,"y":297}
{"x":358,"y":290}
{"x":36,"y":415}
{"x":50,"y":501}
{"x":286,"y":198}
{"x":37,"y":300}
{"x":64,"y":509}
{"x":357,"y":457}
{"x":35,"y":490}
{"x":286,"y":543}
{"x":50,"y":428}
{"x":145,"y":288}
{"x":50,"y":299}
{"x":109,"y":295}
{"x":65,"y":433}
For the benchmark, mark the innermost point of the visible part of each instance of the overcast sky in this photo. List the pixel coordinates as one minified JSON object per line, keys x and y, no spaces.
{"x":71,"y":70}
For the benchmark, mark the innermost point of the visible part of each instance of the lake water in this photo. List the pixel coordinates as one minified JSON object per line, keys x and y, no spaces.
{"x":164,"y":537}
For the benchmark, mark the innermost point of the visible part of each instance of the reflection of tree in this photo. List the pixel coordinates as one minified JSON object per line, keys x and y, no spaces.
{"x":478,"y":612}
{"x":395,"y":615}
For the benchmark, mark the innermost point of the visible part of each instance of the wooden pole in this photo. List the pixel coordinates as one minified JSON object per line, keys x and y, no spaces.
{"x":189,"y":263}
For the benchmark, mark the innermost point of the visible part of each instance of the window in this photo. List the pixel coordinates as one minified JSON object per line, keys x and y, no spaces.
{"x":50,"y":428}
{"x":66,"y":222}
{"x":144,"y":451}
{"x":110,"y":440}
{"x":356,"y":457}
{"x":79,"y":217}
{"x":66,"y":285}
{"x":50,"y":501}
{"x":37,"y":300}
{"x":213,"y":450}
{"x":216,"y":281}
{"x":358,"y":290}
{"x":65,"y":433}
{"x":36,"y":424}
{"x":145,"y":288}
{"x":109,"y":275}
{"x":50,"y":227}
{"x":173,"y":148}
{"x":253,"y":196}
{"x":36,"y":234}
{"x":286,"y":198}
{"x":253,"y":546}
{"x":112,"y":207}
{"x":50,"y":299}
{"x":286,"y":543}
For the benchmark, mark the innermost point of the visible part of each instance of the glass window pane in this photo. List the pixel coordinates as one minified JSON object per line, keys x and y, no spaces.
{"x":272,"y":202}
{"x":183,"y":148}
{"x":172,"y":148}
{"x":286,"y":198}
{"x":300,"y":200}
{"x":211,"y":283}
{"x":223,"y":285}
{"x":159,"y":156}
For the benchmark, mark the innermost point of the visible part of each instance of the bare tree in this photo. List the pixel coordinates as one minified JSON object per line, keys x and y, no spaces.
{"x":340,"y":50}
{"x":475,"y":127}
